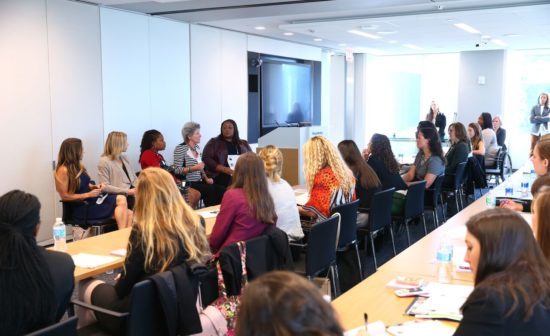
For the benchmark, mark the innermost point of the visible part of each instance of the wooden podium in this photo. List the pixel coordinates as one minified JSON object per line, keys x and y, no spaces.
{"x":290,"y":141}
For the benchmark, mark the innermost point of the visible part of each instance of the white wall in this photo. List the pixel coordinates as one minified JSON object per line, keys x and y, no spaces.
{"x":337,"y":94}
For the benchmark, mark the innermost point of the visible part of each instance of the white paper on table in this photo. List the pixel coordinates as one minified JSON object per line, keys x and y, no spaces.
{"x":209,"y":214}
{"x":302,"y":199}
{"x":119,"y":252}
{"x":376,"y":328}
{"x":232,"y":161}
{"x":421,"y":328}
{"x":445,"y":301}
{"x":87,"y":260}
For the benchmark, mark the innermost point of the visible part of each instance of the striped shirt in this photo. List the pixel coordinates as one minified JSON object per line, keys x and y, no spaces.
{"x":183,"y":157}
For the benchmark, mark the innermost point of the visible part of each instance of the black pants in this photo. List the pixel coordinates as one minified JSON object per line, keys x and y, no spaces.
{"x":211,"y":193}
{"x":105,"y":296}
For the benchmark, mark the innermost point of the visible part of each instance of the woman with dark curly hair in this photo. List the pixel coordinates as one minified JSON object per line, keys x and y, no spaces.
{"x":380,"y":158}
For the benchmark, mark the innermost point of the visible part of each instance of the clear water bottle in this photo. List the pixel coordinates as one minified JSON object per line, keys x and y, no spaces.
{"x":59,"y":235}
{"x":508,"y":189}
{"x":490,"y":200}
{"x":526,"y":177}
{"x":444,"y":261}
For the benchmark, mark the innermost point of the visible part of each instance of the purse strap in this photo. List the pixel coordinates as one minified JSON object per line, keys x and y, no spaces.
{"x":222,"y":290}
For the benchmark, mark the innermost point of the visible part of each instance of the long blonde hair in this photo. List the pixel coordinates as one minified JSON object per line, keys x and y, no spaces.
{"x":320,"y":153}
{"x":164,"y":222}
{"x":115,"y":145}
{"x":273,"y":162}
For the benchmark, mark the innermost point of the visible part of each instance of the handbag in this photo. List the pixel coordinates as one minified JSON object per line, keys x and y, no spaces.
{"x":220,"y":317}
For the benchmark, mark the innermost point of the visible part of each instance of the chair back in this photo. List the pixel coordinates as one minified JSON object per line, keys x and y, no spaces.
{"x":348,"y":222}
{"x":322,"y":244}
{"x":380,"y":210}
{"x":433,"y":192}
{"x":62,"y":328}
{"x":414,"y":202}
{"x":145,"y":311}
{"x":460,"y":173}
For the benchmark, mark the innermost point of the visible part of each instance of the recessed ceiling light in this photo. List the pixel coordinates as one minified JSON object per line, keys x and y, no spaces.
{"x":499,"y":42}
{"x":392,"y":41}
{"x":259,"y":28}
{"x":485,"y":37}
{"x":389,"y":32}
{"x":511,"y":35}
{"x":369,"y":27}
{"x":467,"y":28}
{"x":364,"y":34}
{"x":411,"y":46}
{"x":342,"y":44}
{"x":318,"y":39}
{"x":288,"y":34}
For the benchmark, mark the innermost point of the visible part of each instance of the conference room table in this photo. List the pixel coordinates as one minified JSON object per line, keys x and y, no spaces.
{"x":373,"y":297}
{"x":105,"y":244}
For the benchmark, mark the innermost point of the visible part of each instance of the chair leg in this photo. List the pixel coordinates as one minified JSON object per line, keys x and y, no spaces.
{"x":358,"y":261}
{"x":436,"y":219}
{"x":424,"y":221}
{"x":392,"y":241}
{"x":461,"y":199}
{"x":335,"y":281}
{"x":457,"y":196}
{"x":373,"y":252}
{"x":407,"y":229}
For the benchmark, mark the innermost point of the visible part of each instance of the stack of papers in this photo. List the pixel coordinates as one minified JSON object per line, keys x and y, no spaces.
{"x":421,"y":328}
{"x":87,"y":260}
{"x":444,"y":302}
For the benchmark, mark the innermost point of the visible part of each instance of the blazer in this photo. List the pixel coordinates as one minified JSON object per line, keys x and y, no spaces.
{"x":538,"y":118}
{"x":111,"y":173}
{"x":215,"y":153}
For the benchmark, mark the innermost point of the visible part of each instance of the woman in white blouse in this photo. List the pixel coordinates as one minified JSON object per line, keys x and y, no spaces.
{"x":288,"y":218}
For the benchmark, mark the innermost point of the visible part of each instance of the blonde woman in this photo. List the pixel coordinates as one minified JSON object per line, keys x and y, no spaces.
{"x":328,"y":180}
{"x":288,"y":218}
{"x":73,"y":183}
{"x":114,"y":170}
{"x":166,"y":233}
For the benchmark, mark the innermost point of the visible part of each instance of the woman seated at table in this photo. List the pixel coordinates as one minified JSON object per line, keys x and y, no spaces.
{"x":73,"y":184}
{"x":152,"y":142}
{"x":540,"y":160}
{"x":247,"y":208}
{"x":36,"y":284}
{"x":366,"y":181}
{"x":328,"y":180}
{"x":114,"y":170}
{"x":489,"y":138}
{"x":429,"y":162}
{"x":283,"y":303}
{"x":380,"y":158}
{"x":166,"y":233}
{"x":499,"y":131}
{"x":189,"y":166}
{"x":512,"y":278}
{"x":218,"y":149}
{"x":476,"y":141}
{"x":540,"y":221}
{"x":457,"y":153}
{"x":284,"y":200}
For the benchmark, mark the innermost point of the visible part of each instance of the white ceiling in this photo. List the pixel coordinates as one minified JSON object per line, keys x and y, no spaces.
{"x":410,"y":26}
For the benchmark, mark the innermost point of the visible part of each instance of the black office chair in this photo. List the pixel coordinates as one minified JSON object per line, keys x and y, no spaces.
{"x":458,"y":189}
{"x":321,"y":251}
{"x":432,"y":199}
{"x":98,"y":226}
{"x":501,"y":168}
{"x":414,"y":207}
{"x":62,"y":328}
{"x":348,"y":235}
{"x":379,"y":218}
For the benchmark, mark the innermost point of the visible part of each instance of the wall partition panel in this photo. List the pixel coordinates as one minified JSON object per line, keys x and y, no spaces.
{"x":126,"y":76}
{"x":25,"y":104}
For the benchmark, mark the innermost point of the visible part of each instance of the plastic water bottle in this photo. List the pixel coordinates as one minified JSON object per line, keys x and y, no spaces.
{"x":525,"y":184}
{"x":444,"y":261}
{"x":508,"y":189}
{"x":490,"y":200}
{"x":59,"y":235}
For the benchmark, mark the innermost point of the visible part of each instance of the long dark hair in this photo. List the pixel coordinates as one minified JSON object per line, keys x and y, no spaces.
{"x":433,"y":142}
{"x":510,"y":261}
{"x":355,"y":161}
{"x":28,"y":299}
{"x":487,"y":120}
{"x":236,"y":139}
{"x":380,"y":148}
{"x":70,"y":154}
{"x":461,"y":134}
{"x":147,"y":140}
{"x":250,"y":176}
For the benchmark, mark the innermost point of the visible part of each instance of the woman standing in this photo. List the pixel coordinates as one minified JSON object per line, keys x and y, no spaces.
{"x":166,"y":233}
{"x":512,"y":278}
{"x":35,"y":284}
{"x":114,"y":170}
{"x":189,"y":166}
{"x":247,"y":208}
{"x":540,"y":116}
{"x":489,"y":138}
{"x":499,"y":131}
{"x":429,"y":162}
{"x":284,"y":200}
{"x":367,"y":183}
{"x":438,"y":119}
{"x":73,"y":183}
{"x":328,"y":180}
{"x":218,"y":149}
{"x":457,"y":153}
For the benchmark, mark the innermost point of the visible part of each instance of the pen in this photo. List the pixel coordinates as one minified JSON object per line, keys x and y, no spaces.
{"x":366,"y":317}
